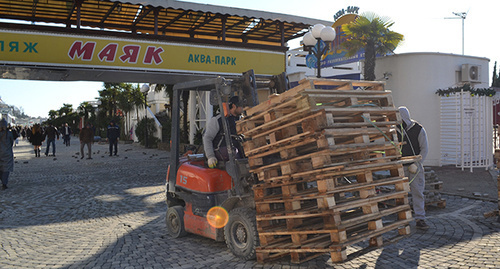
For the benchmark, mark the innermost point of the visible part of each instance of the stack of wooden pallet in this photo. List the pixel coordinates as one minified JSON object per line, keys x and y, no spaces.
{"x":315,"y":149}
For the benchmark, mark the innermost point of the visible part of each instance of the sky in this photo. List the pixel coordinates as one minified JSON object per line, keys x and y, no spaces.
{"x":423,"y":24}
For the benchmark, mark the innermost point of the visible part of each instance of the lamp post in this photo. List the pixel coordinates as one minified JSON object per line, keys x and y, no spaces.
{"x":145,"y":90}
{"x":314,"y":38}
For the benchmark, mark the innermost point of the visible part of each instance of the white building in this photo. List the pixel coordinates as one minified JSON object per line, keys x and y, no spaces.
{"x":459,"y":127}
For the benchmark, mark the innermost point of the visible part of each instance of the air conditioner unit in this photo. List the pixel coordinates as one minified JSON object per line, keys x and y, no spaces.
{"x":470,"y":73}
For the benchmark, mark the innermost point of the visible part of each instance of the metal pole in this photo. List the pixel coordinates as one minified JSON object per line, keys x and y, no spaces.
{"x":318,"y":57}
{"x":463,"y":31}
{"x":146,"y":116}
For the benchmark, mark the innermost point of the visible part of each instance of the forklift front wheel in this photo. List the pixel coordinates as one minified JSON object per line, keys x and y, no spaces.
{"x":175,"y":221}
{"x":241,"y":233}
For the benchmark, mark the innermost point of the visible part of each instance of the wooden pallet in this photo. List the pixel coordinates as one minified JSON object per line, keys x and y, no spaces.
{"x":434,"y":186}
{"x":322,"y":159}
{"x":318,"y":244}
{"x":316,"y":84}
{"x":316,"y":149}
{"x":440,"y":203}
{"x":292,"y":212}
{"x":312,"y":120}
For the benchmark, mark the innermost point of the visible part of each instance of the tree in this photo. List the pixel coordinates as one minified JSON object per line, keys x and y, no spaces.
{"x":125,"y":103}
{"x":185,"y":127}
{"x":52,"y":114}
{"x":495,"y":81}
{"x":85,"y":109}
{"x":146,"y":128}
{"x":66,"y":109}
{"x":371,"y":33}
{"x":63,"y":115}
{"x":108,"y":96}
{"x":138,"y":99}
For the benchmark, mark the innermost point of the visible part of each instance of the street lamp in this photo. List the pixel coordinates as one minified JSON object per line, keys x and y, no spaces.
{"x":314,"y":38}
{"x":145,"y":90}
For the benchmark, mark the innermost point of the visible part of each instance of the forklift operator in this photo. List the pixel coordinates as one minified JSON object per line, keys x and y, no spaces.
{"x":214,"y":142}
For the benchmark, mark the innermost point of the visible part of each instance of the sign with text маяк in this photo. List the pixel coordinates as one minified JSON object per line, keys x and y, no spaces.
{"x":66,"y":50}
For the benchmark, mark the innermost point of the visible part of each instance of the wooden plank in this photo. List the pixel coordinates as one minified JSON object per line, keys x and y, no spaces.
{"x":339,"y":170}
{"x":316,"y":115}
{"x":297,"y":140}
{"x":347,"y":92}
{"x":313,"y":193}
{"x":314,"y":212}
{"x":274,"y":123}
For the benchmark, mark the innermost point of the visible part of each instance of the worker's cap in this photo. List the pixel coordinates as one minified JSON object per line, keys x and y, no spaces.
{"x":3,"y":123}
{"x":235,"y":100}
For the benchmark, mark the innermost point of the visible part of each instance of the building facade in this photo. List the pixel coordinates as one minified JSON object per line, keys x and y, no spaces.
{"x":459,"y":126}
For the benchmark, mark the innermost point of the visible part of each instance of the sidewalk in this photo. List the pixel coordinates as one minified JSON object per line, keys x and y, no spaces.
{"x":480,"y":184}
{"x":109,"y":212}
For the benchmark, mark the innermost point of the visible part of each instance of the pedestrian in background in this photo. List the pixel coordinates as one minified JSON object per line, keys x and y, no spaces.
{"x":6,"y":154}
{"x":86,"y":138}
{"x":66,"y":133}
{"x":415,"y":138}
{"x":112,"y":136}
{"x":36,"y":138}
{"x":23,"y":132}
{"x":50,"y":133}
{"x":15,"y":134}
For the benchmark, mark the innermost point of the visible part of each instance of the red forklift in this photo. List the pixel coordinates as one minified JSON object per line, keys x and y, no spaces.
{"x":215,"y":203}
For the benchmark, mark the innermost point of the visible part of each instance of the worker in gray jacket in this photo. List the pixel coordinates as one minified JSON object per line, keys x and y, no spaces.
{"x":214,"y":142}
{"x":415,"y":138}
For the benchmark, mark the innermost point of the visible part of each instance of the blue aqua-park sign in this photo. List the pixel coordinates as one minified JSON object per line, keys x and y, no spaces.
{"x":337,"y":55}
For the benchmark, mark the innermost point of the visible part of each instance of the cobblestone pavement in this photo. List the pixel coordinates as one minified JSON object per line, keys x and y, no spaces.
{"x":108,"y":212}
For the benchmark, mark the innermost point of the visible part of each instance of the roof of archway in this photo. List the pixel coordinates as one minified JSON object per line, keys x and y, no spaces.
{"x":164,"y":19}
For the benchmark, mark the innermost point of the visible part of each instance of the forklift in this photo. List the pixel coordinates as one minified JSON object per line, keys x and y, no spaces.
{"x":214,"y":203}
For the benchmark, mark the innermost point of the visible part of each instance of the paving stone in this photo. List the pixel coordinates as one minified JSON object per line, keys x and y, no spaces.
{"x":109,"y":213}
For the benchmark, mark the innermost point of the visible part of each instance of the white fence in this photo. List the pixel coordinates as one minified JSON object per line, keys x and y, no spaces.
{"x":466,"y":131}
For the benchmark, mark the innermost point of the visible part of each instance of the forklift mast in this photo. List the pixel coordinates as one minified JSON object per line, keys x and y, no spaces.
{"x":221,"y":89}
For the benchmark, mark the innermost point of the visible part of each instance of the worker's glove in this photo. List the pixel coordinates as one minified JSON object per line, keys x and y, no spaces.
{"x":413,"y":168}
{"x":240,"y":138}
{"x":212,"y":162}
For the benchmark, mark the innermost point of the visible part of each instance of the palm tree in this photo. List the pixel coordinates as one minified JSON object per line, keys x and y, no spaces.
{"x":53,"y":114}
{"x":371,"y":33}
{"x":85,"y":108}
{"x":108,"y":96}
{"x":125,"y":103}
{"x":137,"y":99}
{"x":66,"y":109}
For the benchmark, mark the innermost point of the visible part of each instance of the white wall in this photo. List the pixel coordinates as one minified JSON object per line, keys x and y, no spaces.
{"x":414,"y":78}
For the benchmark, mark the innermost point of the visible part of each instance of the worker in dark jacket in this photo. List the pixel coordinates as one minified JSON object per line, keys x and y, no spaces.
{"x":415,"y":138}
{"x":66,"y":133}
{"x":112,"y":136}
{"x":6,"y":154}
{"x":50,"y":133}
{"x":86,"y":138}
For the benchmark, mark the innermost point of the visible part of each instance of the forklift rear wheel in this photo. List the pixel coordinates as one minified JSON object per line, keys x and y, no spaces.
{"x":241,"y":233}
{"x":175,"y":221}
